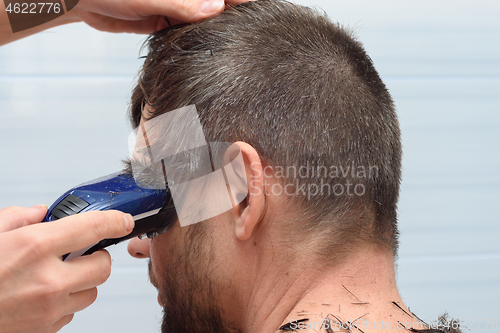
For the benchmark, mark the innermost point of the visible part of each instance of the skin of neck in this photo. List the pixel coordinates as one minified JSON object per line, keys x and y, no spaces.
{"x":360,"y":290}
{"x":273,"y":282}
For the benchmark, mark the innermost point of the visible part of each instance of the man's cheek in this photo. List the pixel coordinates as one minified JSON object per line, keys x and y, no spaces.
{"x":155,"y":261}
{"x":152,"y":277}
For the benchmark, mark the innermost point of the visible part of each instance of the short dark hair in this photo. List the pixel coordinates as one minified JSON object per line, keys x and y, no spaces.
{"x":303,"y":92}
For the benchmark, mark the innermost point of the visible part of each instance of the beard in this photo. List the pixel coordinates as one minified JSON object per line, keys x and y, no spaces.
{"x":188,"y":291}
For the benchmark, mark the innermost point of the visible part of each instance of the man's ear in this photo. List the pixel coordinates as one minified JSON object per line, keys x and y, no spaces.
{"x":248,"y":213}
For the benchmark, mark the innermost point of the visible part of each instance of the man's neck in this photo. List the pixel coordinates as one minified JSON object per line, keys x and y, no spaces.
{"x":361,"y":292}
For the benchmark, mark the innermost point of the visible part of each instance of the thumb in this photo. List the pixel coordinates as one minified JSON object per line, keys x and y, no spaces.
{"x":188,"y":10}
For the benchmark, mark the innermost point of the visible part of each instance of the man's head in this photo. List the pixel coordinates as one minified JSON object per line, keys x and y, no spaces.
{"x":317,"y":130}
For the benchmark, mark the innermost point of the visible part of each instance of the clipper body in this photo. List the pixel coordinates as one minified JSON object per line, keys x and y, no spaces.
{"x":152,"y":210}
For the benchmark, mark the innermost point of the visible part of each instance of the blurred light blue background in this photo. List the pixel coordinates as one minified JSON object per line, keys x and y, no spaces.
{"x":64,"y":95}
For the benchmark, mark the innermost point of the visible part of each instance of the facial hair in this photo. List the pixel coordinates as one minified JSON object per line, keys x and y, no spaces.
{"x":188,"y":290}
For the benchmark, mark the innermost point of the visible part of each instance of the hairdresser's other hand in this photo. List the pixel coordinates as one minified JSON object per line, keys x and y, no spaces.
{"x":38,"y":291}
{"x":135,"y":16}
{"x":145,"y":16}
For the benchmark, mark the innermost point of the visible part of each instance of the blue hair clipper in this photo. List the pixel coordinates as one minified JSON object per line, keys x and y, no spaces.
{"x":152,"y":209}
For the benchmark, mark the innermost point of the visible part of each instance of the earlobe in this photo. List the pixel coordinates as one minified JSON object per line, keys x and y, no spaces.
{"x":248,"y":213}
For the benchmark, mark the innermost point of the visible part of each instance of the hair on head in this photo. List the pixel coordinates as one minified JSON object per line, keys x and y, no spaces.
{"x":303,"y":92}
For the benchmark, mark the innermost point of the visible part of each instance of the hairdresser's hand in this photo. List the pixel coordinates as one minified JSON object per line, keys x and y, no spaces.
{"x":146,"y":16}
{"x":136,"y":16}
{"x":38,"y":291}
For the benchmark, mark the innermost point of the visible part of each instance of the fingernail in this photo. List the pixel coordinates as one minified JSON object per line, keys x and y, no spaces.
{"x":40,"y":207}
{"x":211,"y":6}
{"x":129,"y":222}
